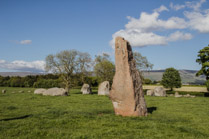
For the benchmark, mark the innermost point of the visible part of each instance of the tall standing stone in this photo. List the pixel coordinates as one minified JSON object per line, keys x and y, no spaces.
{"x":127,"y":94}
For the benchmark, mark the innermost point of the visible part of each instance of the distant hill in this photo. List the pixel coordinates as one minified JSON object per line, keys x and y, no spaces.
{"x":21,"y":74}
{"x":187,"y":76}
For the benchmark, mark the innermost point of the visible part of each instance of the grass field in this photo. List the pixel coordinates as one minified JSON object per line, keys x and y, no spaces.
{"x":25,"y":115}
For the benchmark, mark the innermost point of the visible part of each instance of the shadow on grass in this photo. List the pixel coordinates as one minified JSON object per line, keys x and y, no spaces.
{"x":206,"y":94}
{"x":151,"y":109}
{"x":93,"y":93}
{"x":16,"y":118}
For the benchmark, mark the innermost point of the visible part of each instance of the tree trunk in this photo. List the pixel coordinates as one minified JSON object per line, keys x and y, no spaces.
{"x":67,"y":89}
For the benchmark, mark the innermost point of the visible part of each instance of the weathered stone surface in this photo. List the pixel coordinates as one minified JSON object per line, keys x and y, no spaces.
{"x":150,"y":92}
{"x":3,"y":91}
{"x":39,"y":91}
{"x":86,"y":89}
{"x":177,"y":94}
{"x":55,"y":92}
{"x":21,"y":91}
{"x":159,"y":91}
{"x":187,"y":95}
{"x":104,"y":88}
{"x":127,"y":94}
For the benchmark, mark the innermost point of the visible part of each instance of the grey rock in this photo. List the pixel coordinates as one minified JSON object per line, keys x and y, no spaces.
{"x":150,"y":92}
{"x":3,"y":91}
{"x":21,"y":91}
{"x":187,"y":95}
{"x":39,"y":91}
{"x":104,"y":88}
{"x":159,"y":91}
{"x":86,"y":89}
{"x":55,"y":92}
{"x":177,"y":94}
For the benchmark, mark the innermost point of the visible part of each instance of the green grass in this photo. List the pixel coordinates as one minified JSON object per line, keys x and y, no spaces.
{"x":25,"y":115}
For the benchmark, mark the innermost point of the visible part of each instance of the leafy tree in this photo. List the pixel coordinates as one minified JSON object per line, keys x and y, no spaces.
{"x":84,"y":61}
{"x":104,"y":68}
{"x":29,"y":80}
{"x":203,"y":59}
{"x":171,"y":78}
{"x":66,"y":64}
{"x":141,"y":62}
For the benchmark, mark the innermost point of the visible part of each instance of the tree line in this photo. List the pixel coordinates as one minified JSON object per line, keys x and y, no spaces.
{"x":71,"y":68}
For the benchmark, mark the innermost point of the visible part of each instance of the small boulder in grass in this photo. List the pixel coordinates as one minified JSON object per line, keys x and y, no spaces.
{"x":177,"y":95}
{"x":86,"y":89}
{"x":3,"y":91}
{"x":55,"y":92}
{"x":159,"y":91}
{"x":187,"y":95}
{"x":150,"y":92}
{"x":21,"y":91}
{"x":39,"y":91}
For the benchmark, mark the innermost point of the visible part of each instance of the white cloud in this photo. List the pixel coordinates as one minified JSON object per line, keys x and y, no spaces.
{"x":25,"y":42}
{"x":150,"y":29}
{"x":19,"y":65}
{"x":179,"y":36}
{"x":150,"y":22}
{"x":161,"y":9}
{"x":139,"y":39}
{"x":198,"y":21}
{"x":195,"y":5}
{"x":142,"y":32}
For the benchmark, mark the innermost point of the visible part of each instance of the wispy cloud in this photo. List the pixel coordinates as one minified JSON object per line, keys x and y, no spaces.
{"x":161,"y":9}
{"x":21,"y":42}
{"x":195,"y":5}
{"x":26,"y":42}
{"x":150,"y":29}
{"x":19,"y":65}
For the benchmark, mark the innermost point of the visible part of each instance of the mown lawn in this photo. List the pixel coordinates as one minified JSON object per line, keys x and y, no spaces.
{"x":25,"y":115}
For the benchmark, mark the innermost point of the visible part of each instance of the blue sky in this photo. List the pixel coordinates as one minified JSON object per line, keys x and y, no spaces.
{"x":169,"y":33}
